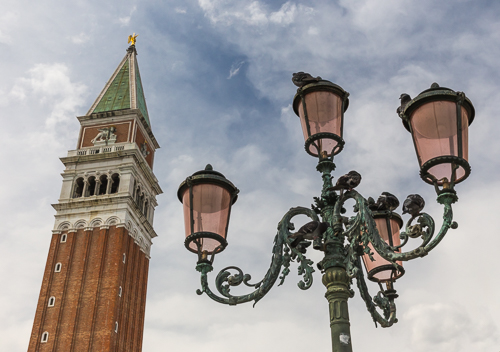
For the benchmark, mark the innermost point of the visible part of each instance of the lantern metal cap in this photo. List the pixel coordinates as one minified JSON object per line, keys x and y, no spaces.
{"x":435,"y":93}
{"x":208,"y":175}
{"x":321,"y":85}
{"x":209,"y":170}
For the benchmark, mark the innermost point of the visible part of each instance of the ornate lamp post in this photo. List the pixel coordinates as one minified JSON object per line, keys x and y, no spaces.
{"x":438,"y":119}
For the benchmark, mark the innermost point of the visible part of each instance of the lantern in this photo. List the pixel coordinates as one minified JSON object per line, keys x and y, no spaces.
{"x":321,"y":106}
{"x":207,"y":197}
{"x":438,"y":119}
{"x":380,"y":270}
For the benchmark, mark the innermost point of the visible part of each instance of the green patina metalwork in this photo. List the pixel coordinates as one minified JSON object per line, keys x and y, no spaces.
{"x":343,"y":244}
{"x":117,"y":97}
{"x":362,"y":229}
{"x":282,"y":255}
{"x":141,"y":101}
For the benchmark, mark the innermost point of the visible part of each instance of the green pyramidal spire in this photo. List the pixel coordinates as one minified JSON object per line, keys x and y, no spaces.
{"x":124,"y":89}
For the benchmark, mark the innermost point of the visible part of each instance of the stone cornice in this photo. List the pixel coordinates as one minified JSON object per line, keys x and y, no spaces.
{"x":92,"y":201}
{"x":88,"y":205}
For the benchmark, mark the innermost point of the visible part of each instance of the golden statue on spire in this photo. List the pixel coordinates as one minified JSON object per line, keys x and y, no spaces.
{"x":131,"y":38}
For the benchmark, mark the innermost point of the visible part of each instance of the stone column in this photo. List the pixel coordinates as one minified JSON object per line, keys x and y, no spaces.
{"x":97,"y":186}
{"x":85,"y":188}
{"x":110,"y":182}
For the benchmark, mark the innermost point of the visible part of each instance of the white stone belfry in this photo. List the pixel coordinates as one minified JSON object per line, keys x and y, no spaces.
{"x":109,"y":178}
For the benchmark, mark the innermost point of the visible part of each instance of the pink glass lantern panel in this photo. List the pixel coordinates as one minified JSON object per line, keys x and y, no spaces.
{"x":324,"y":111}
{"x":211,"y":205}
{"x":434,"y":128}
{"x":384,"y":275}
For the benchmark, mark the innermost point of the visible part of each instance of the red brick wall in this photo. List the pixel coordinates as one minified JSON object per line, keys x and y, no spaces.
{"x":87,"y":301}
{"x":139,"y":140}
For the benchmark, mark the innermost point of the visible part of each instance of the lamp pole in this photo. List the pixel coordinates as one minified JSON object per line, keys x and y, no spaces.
{"x":438,"y":119}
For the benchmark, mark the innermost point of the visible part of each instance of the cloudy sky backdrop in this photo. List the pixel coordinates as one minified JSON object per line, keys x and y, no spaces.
{"x":216,"y":75}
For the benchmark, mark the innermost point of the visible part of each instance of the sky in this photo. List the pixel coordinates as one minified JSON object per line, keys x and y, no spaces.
{"x":217,"y":80}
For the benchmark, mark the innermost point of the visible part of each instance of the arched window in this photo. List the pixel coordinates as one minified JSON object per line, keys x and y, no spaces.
{"x":52,"y":301}
{"x":116,"y":326}
{"x":63,"y":238}
{"x":120,"y":292}
{"x":58,"y":267}
{"x":91,"y":189}
{"x":104,"y":184}
{"x":45,"y":337}
{"x":115,"y":183}
{"x":134,"y":189}
{"x":78,"y":188}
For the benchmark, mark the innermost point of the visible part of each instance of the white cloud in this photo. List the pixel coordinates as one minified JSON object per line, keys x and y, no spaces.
{"x":228,"y":12}
{"x":5,"y":38}
{"x":8,"y":21}
{"x":180,"y":10}
{"x":313,"y":30}
{"x":286,"y":14}
{"x":80,"y":38}
{"x":235,"y":69}
{"x":51,"y":85}
{"x":125,"y":21}
{"x":447,"y":327}
{"x":17,"y":92}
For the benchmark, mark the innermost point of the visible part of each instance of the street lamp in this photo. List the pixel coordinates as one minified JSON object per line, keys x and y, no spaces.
{"x":207,"y":197}
{"x":438,"y":120}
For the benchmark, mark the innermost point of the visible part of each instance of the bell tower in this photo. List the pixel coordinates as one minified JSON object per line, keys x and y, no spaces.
{"x":93,"y":293}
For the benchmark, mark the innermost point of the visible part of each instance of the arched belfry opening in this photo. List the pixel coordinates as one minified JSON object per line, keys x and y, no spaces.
{"x":115,"y":183}
{"x":103,"y":184}
{"x":78,"y":188}
{"x":91,"y":186}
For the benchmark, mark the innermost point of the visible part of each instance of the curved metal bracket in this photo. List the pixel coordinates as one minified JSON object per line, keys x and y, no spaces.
{"x":362,"y":230}
{"x":282,"y":255}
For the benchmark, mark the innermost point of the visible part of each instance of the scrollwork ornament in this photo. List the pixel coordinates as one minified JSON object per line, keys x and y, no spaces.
{"x":380,"y":300}
{"x":362,"y":229}
{"x":305,"y":269}
{"x":353,"y":252}
{"x":283,"y":254}
{"x":286,"y":265}
{"x":424,"y":229}
{"x":383,"y":303}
